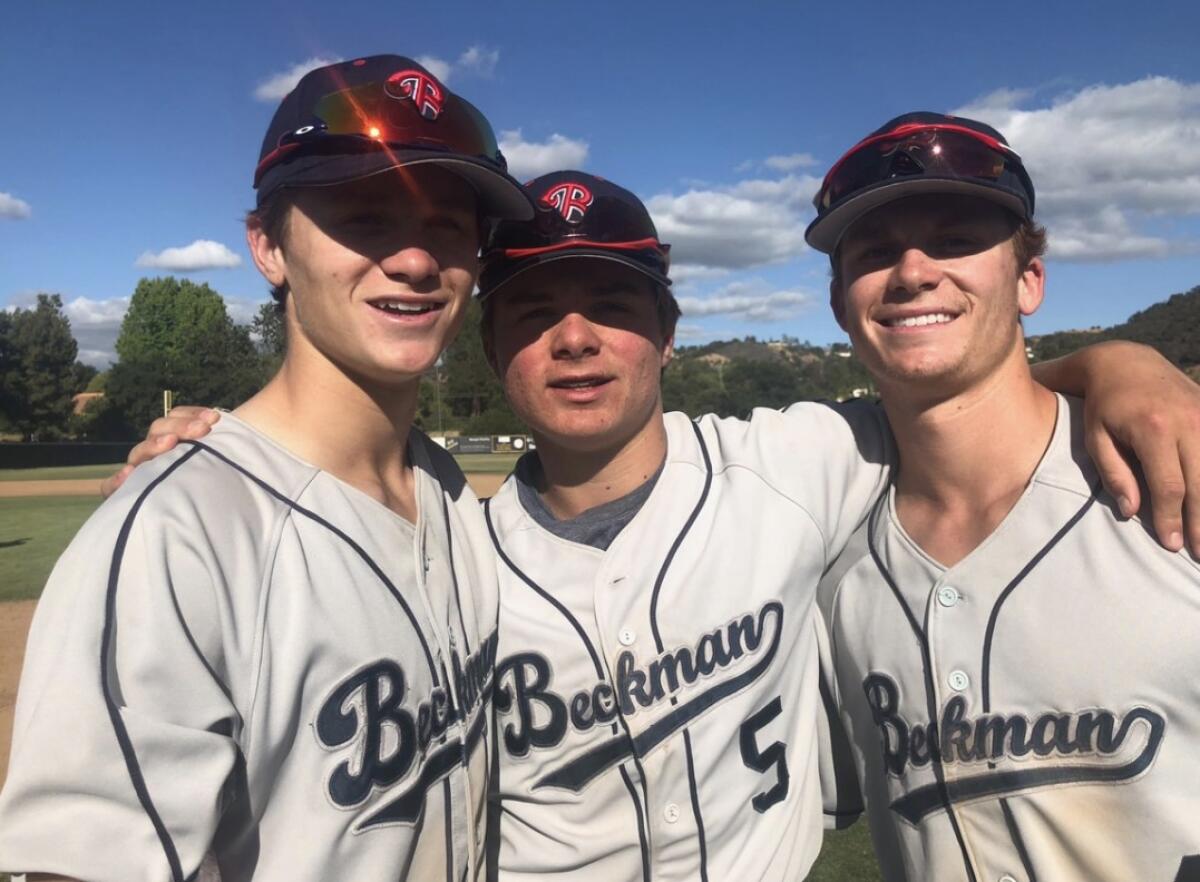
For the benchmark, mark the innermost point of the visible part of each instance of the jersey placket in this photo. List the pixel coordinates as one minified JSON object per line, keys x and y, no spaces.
{"x":432,"y":580}
{"x":955,"y":625}
{"x":623,"y":619}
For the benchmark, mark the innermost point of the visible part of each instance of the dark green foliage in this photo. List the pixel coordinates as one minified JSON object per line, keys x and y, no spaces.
{"x":1172,"y":327}
{"x":470,"y":386}
{"x":178,"y":336}
{"x":37,"y":369}
{"x":270,"y":336}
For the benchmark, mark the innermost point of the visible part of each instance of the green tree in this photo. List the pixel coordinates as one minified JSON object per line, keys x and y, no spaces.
{"x":752,"y":384}
{"x":470,"y":385}
{"x":177,"y":335}
{"x":270,"y":336}
{"x":695,"y":387}
{"x":39,"y":369}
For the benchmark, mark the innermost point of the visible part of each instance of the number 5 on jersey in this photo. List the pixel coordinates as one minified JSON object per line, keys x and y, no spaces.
{"x":762,"y":760}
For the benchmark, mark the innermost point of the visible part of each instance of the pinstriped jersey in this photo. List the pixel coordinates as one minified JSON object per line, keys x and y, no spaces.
{"x":1031,"y":713}
{"x":243,"y":656}
{"x":657,"y":702}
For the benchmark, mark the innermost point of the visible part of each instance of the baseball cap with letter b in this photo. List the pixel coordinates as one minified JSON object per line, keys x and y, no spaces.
{"x":354,"y":119}
{"x":919,"y":153}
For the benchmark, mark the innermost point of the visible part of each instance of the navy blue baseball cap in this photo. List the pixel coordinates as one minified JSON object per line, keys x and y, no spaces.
{"x":354,"y":119}
{"x":915,"y":153}
{"x":578,"y":216}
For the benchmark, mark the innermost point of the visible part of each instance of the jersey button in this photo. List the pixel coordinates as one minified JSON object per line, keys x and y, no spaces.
{"x":626,"y":637}
{"x":947,"y":595}
{"x":958,"y":680}
{"x":671,"y":813}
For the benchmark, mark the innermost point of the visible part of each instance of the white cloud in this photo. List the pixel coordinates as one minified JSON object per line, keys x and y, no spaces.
{"x":790,"y":162}
{"x":684,"y":331}
{"x":203,"y":254}
{"x":476,"y":60}
{"x":528,"y":159}
{"x":688,"y":274}
{"x":439,"y":67}
{"x":1105,"y":160}
{"x":751,"y":223}
{"x":13,"y":208}
{"x":275,"y":87}
{"x":95,"y":325}
{"x":479,"y":60}
{"x":749,"y":300}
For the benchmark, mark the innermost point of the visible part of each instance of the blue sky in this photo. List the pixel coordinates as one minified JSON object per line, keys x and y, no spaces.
{"x":133,"y":130}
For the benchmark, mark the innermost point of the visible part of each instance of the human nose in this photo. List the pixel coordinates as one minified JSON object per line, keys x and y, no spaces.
{"x":574,"y":337}
{"x":412,"y":263}
{"x":915,"y":272}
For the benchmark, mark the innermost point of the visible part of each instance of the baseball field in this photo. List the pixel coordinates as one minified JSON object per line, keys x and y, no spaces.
{"x":40,"y":510}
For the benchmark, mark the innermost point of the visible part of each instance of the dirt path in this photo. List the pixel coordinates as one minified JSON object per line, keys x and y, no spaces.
{"x":15,"y":617}
{"x":84,"y":487}
{"x":14,"y":626}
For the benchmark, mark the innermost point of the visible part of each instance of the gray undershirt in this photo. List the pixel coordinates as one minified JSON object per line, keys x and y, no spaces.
{"x":596,"y":527}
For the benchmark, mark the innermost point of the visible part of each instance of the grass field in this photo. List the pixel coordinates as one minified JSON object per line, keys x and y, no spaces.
{"x":59,"y":473}
{"x":34,"y":530}
{"x":487,"y":463}
{"x":483,"y":463}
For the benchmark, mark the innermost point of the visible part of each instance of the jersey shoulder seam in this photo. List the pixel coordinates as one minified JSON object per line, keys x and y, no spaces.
{"x":729,"y":466}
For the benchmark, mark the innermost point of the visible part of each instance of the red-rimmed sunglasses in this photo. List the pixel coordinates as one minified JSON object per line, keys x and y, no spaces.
{"x":938,"y":149}
{"x":407,"y":110}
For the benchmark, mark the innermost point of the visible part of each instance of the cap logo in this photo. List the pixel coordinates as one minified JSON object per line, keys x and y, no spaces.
{"x":419,"y":88}
{"x":569,"y":199}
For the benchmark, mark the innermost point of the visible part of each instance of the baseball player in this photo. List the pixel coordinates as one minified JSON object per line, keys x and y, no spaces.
{"x":657,"y":687}
{"x":276,"y":646}
{"x":1016,"y":665}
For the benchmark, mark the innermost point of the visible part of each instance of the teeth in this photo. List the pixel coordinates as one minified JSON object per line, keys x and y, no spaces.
{"x":916,"y":321}
{"x":578,"y":384}
{"x":405,"y":308}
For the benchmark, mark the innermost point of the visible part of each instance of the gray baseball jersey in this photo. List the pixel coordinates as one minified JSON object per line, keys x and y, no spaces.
{"x":658,"y":701}
{"x":241,"y":655}
{"x":1033,"y":712}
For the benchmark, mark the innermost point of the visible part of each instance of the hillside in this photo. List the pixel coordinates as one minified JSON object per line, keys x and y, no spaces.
{"x":730,"y":376}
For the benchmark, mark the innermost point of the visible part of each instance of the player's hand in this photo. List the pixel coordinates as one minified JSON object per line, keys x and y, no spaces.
{"x":186,"y":422}
{"x":1146,"y":407}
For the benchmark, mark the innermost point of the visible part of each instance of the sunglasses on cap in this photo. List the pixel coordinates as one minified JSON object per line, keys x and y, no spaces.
{"x":920,"y":149}
{"x":407,"y":110}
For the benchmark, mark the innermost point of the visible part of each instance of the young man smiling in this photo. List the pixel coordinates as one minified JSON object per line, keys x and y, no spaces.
{"x":1017,"y":665}
{"x":275,"y":647}
{"x":657,"y":679}
{"x":657,"y":687}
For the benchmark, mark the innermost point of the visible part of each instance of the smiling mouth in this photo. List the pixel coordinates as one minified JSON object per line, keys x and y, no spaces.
{"x":919,"y":321}
{"x":396,"y":307}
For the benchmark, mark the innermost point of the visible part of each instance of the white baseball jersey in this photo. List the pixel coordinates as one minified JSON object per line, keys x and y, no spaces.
{"x":241,"y":655}
{"x":658,"y":702}
{"x":1031,"y":714}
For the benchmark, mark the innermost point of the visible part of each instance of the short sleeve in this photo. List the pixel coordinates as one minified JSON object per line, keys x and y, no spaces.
{"x":833,"y":458}
{"x":123,"y":744}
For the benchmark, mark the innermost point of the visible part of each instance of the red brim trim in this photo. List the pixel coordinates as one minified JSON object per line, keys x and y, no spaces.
{"x":638,"y":245}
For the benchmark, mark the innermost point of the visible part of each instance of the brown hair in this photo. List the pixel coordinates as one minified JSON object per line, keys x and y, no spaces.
{"x":1028,"y":242}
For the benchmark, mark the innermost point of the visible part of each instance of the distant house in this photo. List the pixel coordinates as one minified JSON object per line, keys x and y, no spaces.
{"x":83,"y":399}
